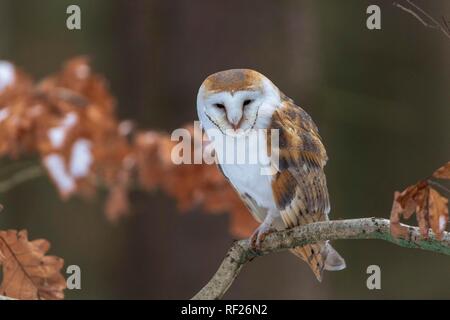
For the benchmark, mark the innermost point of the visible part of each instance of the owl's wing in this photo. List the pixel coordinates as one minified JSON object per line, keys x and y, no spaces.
{"x":299,"y":187}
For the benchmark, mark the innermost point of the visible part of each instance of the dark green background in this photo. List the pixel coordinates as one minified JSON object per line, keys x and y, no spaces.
{"x":380,"y":99}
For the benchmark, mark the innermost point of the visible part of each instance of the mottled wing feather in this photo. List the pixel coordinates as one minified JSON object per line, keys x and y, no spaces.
{"x":300,"y":182}
{"x":299,"y":187}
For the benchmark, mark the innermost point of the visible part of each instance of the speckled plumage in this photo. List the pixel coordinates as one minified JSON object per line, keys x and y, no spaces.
{"x":300,"y":188}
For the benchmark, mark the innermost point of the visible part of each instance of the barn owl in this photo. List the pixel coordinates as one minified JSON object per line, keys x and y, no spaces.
{"x":238,"y":103}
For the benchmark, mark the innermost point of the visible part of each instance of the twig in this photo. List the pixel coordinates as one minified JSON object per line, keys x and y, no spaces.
{"x":7,"y":169}
{"x":440,"y":186}
{"x":443,"y":27}
{"x":365,"y":228}
{"x":20,"y":177}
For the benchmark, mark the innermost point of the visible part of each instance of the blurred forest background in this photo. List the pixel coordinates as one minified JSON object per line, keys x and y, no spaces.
{"x":381,"y":100}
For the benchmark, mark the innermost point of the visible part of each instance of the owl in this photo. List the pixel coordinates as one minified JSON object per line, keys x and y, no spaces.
{"x":241,"y":103}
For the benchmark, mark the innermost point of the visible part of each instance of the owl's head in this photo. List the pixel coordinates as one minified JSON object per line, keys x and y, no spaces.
{"x":236,"y":101}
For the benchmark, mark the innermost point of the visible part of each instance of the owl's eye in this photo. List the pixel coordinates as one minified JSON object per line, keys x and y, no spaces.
{"x":247,"y":102}
{"x":220,"y":106}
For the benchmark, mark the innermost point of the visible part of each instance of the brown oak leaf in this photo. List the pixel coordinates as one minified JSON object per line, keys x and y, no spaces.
{"x":437,"y":212}
{"x":68,"y":119}
{"x":431,"y":208}
{"x":28,"y":273}
{"x":443,"y":172}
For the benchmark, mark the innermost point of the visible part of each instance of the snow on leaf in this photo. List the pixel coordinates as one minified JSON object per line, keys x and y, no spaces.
{"x":442,"y":222}
{"x":81,"y":158}
{"x":57,"y":135}
{"x":82,"y":71}
{"x":7,"y":74}
{"x":437,"y":212}
{"x":4,"y":113}
{"x":57,"y":170}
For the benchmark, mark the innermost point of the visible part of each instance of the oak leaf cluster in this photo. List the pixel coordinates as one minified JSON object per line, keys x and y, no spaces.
{"x":422,"y":198}
{"x":68,"y":119}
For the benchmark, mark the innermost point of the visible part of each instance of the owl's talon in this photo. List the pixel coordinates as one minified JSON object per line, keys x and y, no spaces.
{"x":259,"y":235}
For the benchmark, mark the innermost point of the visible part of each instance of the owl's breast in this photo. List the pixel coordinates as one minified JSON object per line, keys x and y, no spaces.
{"x":248,"y":180}
{"x":248,"y":172}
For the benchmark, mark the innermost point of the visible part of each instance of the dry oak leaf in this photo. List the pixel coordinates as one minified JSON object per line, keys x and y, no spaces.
{"x":437,"y":212}
{"x":28,"y":273}
{"x":430,"y":207}
{"x":443,"y":172}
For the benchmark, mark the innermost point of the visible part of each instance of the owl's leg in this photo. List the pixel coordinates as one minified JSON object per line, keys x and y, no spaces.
{"x":263,"y":230}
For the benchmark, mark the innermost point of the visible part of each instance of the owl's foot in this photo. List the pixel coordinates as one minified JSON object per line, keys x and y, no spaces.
{"x":259,"y":235}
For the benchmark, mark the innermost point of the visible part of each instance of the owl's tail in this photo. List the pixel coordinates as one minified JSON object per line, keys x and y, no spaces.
{"x":320,"y":256}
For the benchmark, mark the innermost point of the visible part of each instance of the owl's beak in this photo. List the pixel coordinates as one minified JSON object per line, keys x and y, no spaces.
{"x":234,"y":117}
{"x":237,"y":124}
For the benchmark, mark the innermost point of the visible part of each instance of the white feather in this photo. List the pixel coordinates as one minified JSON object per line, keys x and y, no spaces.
{"x":247,"y":178}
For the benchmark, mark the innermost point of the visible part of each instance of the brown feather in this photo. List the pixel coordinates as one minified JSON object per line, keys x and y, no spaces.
{"x":233,"y":80}
{"x":299,"y":188}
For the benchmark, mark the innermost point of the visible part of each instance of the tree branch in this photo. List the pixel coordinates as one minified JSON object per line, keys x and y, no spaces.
{"x":21,"y":176}
{"x":416,"y":12}
{"x":365,"y":228}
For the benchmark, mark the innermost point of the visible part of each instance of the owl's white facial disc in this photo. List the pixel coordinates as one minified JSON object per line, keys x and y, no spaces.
{"x":237,"y":101}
